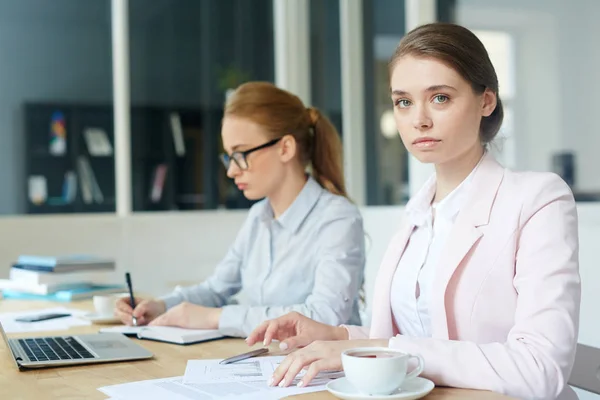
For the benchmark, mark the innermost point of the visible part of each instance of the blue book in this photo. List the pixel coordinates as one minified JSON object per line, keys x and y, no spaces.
{"x":65,"y":269}
{"x":64,"y":263}
{"x":66,"y":295}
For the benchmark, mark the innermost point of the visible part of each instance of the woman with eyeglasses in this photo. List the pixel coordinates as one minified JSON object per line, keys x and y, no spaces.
{"x":300,"y":249}
{"x":482,"y":279}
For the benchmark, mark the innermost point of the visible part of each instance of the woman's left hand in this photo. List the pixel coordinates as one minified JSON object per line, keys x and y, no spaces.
{"x":316,"y":357}
{"x":191,"y":316}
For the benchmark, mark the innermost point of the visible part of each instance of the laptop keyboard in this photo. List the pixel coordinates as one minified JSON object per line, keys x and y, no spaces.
{"x":54,"y":348}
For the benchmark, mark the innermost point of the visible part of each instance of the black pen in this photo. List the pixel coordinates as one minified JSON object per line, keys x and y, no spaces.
{"x":131,"y":298}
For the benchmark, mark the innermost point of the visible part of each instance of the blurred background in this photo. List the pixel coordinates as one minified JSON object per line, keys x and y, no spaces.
{"x":56,"y":97}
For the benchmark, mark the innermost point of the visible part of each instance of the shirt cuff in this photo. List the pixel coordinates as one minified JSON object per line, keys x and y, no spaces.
{"x":406,"y":344}
{"x":232,"y":319}
{"x":356,"y":332}
{"x":172,"y":299}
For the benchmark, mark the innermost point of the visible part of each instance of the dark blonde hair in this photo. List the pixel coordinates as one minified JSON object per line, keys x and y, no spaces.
{"x":281,"y":113}
{"x":461,"y":50}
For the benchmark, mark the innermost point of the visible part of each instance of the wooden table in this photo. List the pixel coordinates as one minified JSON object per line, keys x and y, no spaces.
{"x":81,"y":382}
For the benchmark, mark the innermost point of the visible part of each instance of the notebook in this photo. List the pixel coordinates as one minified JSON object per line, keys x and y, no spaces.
{"x":168,"y":334}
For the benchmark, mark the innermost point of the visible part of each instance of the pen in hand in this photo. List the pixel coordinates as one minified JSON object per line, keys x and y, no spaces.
{"x":131,"y":298}
{"x":244,"y":356}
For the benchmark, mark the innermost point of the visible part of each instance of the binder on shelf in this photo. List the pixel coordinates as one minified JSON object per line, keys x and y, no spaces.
{"x":90,"y":189}
{"x":177,"y":132}
{"x":86,"y":185}
{"x":158,"y":184}
{"x":69,"y":187}
{"x":97,"y":142}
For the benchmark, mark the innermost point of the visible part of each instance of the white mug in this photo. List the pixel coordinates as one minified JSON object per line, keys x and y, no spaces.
{"x":105,"y":304}
{"x":378,"y":370}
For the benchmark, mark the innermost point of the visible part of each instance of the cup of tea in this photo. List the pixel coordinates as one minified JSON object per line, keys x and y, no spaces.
{"x":105,"y":304}
{"x":379,"y":370}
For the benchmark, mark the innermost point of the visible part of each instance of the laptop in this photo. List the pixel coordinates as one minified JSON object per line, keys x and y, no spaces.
{"x":55,"y":351}
{"x":586,"y":370}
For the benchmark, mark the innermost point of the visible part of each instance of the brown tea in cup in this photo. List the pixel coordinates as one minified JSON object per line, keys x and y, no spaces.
{"x":373,"y":354}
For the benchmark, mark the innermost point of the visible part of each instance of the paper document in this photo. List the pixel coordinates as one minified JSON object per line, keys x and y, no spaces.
{"x":11,"y":326}
{"x":203,"y":371}
{"x":175,"y":389}
{"x":250,"y":370}
{"x":208,"y":380}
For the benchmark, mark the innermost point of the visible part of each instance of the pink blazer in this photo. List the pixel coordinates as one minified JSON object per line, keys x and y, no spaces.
{"x":505,"y":308}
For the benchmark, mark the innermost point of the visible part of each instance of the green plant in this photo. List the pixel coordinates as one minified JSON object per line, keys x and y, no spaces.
{"x":231,"y":77}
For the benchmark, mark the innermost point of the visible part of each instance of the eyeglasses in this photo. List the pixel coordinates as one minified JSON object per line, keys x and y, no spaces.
{"x":239,"y":157}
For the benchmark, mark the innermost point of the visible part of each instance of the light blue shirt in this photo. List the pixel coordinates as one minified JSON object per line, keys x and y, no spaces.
{"x":310,"y":260}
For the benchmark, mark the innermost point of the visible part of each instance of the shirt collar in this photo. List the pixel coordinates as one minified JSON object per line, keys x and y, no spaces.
{"x":297,"y":212}
{"x":418,"y":208}
{"x":449,"y":207}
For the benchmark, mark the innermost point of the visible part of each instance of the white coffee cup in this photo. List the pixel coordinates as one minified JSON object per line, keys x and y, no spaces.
{"x":105,"y":304}
{"x":378,"y":370}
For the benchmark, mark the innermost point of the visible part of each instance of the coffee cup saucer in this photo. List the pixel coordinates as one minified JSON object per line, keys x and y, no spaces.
{"x":96,"y":318}
{"x":411,"y":389}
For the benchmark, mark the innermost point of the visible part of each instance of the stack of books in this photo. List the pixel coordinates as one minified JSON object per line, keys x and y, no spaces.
{"x":66,"y":278}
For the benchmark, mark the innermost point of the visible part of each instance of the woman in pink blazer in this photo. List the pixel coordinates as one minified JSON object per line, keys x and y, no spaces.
{"x":482,"y":279}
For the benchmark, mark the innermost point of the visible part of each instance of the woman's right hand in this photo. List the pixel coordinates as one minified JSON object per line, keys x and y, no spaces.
{"x":144,"y":312}
{"x":294,"y":330}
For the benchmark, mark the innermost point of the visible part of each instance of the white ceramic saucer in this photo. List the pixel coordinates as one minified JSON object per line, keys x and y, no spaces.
{"x":101,"y":319}
{"x":414,"y":388}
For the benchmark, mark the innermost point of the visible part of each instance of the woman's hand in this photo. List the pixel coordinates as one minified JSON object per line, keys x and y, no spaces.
{"x":316,"y":357}
{"x":192,"y":316}
{"x":144,"y":312}
{"x":294,"y":330}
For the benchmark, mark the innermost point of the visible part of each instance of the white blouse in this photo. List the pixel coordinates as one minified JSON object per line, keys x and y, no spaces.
{"x":411,"y":285}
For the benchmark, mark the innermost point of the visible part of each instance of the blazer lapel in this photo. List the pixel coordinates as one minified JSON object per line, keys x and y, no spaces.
{"x":382,"y":323}
{"x":465,"y":234}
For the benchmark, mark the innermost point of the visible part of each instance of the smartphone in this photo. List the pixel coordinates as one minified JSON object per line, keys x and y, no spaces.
{"x":42,"y":317}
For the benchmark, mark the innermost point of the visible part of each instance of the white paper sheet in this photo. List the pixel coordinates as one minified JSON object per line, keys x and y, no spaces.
{"x":124,"y":329}
{"x":250,"y":370}
{"x":175,"y":389}
{"x":11,"y":326}
{"x":209,"y":380}
{"x":210,"y":371}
